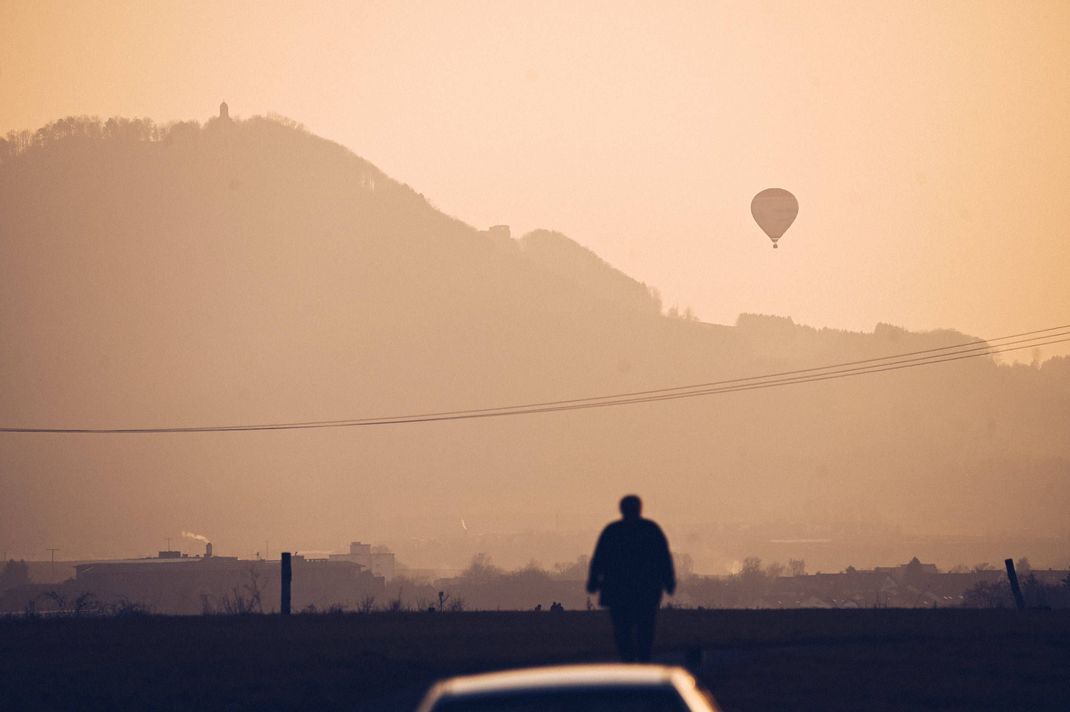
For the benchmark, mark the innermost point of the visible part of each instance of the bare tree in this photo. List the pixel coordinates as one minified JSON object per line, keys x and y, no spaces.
{"x":86,"y":604}
{"x":774,"y":570}
{"x":366,"y":605}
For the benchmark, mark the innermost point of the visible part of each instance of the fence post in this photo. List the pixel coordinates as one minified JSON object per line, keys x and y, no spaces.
{"x":1015,"y":589}
{"x":287,"y":579}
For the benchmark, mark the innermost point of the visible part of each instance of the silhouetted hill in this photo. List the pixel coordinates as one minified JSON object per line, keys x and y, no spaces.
{"x":247,"y":271}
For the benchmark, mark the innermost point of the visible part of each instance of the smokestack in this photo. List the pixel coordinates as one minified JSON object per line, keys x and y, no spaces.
{"x":208,"y":550}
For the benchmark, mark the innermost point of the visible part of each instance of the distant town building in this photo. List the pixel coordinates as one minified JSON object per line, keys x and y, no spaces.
{"x":378,"y":560}
{"x":913,"y":568}
{"x":501,"y":239}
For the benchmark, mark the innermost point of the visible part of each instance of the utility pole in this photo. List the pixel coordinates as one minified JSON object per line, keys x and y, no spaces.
{"x":169,"y":543}
{"x":53,"y":552}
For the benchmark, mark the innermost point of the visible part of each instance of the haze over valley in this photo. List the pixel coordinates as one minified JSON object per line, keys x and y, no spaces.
{"x":248,"y":271}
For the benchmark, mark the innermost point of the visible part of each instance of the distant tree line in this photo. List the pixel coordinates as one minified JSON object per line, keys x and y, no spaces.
{"x":14,"y":573}
{"x":91,"y":128}
{"x":486,"y":586}
{"x":117,"y":128}
{"x":1035,"y":592}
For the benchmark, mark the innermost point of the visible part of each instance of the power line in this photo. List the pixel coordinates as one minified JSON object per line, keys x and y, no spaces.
{"x":645,"y":399}
{"x":985,"y":344}
{"x":822,"y":373}
{"x":985,"y":348}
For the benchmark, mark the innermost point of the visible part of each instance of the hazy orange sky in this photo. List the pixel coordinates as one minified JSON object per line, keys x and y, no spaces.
{"x":926,"y":142}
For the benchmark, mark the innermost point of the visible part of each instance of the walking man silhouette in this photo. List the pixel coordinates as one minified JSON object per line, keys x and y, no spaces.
{"x":630,"y":568}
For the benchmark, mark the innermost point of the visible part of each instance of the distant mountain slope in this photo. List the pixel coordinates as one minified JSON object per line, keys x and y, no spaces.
{"x":560,"y":255}
{"x":247,"y":271}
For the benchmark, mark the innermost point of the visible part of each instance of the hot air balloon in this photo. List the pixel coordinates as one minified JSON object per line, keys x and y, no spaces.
{"x":774,"y":209}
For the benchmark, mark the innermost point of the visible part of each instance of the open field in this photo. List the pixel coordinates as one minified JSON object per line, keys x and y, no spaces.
{"x":753,"y":660}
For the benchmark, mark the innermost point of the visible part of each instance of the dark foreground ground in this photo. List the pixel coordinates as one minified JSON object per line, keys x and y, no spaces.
{"x":753,"y":660}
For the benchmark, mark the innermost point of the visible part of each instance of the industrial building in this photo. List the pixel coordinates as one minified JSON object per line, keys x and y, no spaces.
{"x":174,"y":583}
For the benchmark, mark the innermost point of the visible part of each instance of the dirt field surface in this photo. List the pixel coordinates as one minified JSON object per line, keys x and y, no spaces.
{"x":751,"y":660}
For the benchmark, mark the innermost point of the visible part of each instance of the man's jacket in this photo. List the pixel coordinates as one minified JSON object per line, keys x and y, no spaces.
{"x":631,"y":565}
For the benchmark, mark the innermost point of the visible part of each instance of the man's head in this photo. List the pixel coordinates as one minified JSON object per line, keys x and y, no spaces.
{"x":631,"y":507}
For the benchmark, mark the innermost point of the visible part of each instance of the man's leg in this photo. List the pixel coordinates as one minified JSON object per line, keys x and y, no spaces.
{"x":623,"y":622}
{"x":644,"y":631}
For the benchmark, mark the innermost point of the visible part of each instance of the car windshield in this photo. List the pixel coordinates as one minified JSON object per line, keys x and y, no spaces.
{"x":661,"y":699}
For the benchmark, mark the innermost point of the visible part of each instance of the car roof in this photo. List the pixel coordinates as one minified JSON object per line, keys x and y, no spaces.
{"x":558,"y":676}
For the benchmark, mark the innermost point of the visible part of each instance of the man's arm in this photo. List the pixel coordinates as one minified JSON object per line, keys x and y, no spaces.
{"x":668,"y":573}
{"x":597,"y":569}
